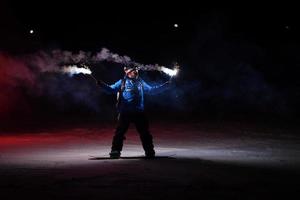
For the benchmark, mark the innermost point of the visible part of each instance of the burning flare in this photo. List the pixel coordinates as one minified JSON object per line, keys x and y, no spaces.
{"x":73,"y":69}
{"x":156,"y":67}
{"x":170,"y":72}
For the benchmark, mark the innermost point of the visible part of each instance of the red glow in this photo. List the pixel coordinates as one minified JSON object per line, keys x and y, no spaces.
{"x":62,"y":138}
{"x":14,"y":75}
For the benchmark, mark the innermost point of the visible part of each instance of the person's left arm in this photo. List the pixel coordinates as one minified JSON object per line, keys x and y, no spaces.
{"x":114,"y":88}
{"x":156,"y":88}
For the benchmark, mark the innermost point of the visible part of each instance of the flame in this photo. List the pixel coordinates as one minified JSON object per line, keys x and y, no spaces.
{"x":170,"y":72}
{"x":73,"y":69}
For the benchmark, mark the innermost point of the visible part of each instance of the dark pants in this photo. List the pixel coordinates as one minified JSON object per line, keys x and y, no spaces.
{"x":141,"y":122}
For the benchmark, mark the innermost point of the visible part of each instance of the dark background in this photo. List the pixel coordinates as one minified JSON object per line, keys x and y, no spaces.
{"x":235,"y":62}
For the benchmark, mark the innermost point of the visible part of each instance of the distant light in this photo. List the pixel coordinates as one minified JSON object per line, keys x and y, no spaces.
{"x":31,"y":31}
{"x":176,"y":25}
{"x":287,"y":27}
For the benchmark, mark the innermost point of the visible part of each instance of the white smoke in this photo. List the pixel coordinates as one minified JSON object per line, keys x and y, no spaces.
{"x":58,"y":60}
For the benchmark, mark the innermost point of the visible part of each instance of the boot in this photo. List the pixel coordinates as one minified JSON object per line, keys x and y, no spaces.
{"x":150,"y":154}
{"x":115,"y":154}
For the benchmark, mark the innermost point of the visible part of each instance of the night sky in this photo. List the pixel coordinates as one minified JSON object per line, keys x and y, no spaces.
{"x":254,"y":47}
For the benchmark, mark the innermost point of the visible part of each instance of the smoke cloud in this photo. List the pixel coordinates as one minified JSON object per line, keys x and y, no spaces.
{"x":42,"y":75}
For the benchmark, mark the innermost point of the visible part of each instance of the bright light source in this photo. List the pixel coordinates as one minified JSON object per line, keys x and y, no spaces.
{"x":31,"y":31}
{"x":176,"y":25}
{"x":73,"y":69}
{"x":170,"y":72}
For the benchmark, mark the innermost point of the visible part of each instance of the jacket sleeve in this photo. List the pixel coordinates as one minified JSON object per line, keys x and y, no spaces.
{"x":155,"y":89}
{"x":114,"y":88}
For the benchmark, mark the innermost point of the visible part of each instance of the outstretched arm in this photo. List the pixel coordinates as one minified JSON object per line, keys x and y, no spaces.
{"x":114,"y":88}
{"x":157,"y":88}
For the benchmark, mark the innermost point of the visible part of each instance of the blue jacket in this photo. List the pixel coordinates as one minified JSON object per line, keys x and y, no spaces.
{"x":132,"y":96}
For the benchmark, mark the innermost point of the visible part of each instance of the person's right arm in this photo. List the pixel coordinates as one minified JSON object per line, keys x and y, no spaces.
{"x":114,"y":88}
